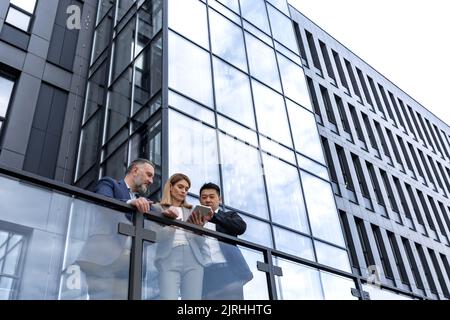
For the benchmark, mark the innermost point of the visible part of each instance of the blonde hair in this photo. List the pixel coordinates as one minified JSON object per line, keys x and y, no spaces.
{"x":167,"y":197}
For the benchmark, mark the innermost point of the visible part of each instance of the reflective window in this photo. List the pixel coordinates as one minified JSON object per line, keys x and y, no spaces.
{"x":119,"y":103}
{"x":89,"y":144}
{"x":276,"y":149}
{"x":322,"y":211}
{"x":20,"y":13}
{"x":282,"y":29}
{"x":6,"y":87}
{"x":267,"y":72}
{"x":304,"y":132}
{"x":232,"y":4}
{"x":188,"y":17}
{"x":298,"y":282}
{"x":149,"y":22}
{"x":102,"y":36}
{"x":294,"y":82}
{"x":257,"y":232}
{"x":243,"y":186}
{"x":189,"y":69}
{"x":27,"y":5}
{"x":190,"y":107}
{"x":285,"y":196}
{"x":233,"y":96}
{"x":332,"y":256}
{"x":293,"y":243}
{"x":255,"y":12}
{"x":313,"y":167}
{"x":122,"y":8}
{"x":193,"y":150}
{"x":336,"y":287}
{"x":95,"y":92}
{"x":227,"y":40}
{"x":123,"y":48}
{"x":234,"y":129}
{"x":271,"y":114}
{"x":281,"y":5}
{"x":147,"y":74}
{"x":18,"y":19}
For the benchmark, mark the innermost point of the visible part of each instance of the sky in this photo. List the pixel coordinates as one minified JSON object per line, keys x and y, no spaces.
{"x":407,"y":41}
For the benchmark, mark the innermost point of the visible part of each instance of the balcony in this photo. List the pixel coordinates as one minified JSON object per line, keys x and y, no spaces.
{"x":58,"y":242}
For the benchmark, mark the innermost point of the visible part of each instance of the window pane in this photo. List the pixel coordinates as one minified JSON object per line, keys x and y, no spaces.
{"x":255,"y":12}
{"x":227,"y":40}
{"x":89,"y":144}
{"x":148,"y":74}
{"x":282,"y":28}
{"x":234,"y":129}
{"x":304,"y":132}
{"x":293,"y":243}
{"x":332,"y":256}
{"x":232,"y":4}
{"x":18,"y":19}
{"x":271,"y":114}
{"x":242,"y":177}
{"x":257,"y":232}
{"x":277,"y":150}
{"x":102,"y":36}
{"x":124,"y":48}
{"x":233,"y":96}
{"x":281,"y":5}
{"x":188,"y":17}
{"x":267,"y":72}
{"x":27,"y":5}
{"x":123,"y":7}
{"x":336,"y":287}
{"x":149,"y":23}
{"x":298,"y":282}
{"x":312,"y":167}
{"x":322,"y":210}
{"x":190,"y":107}
{"x":285,"y":196}
{"x":192,"y":150}
{"x":189,"y":69}
{"x":119,"y":103}
{"x":294,"y":82}
{"x":6,"y":87}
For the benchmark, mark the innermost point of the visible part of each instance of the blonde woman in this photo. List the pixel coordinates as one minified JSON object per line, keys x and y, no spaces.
{"x":181,"y":255}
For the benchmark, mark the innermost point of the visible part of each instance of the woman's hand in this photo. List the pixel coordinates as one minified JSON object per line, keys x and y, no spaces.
{"x":170,"y":213}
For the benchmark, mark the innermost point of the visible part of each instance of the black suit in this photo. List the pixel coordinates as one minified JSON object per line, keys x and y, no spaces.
{"x":226,"y":281}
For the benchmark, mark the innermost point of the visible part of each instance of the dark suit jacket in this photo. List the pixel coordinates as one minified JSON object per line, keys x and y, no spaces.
{"x":232,"y":224}
{"x":111,"y":188}
{"x":104,"y":244}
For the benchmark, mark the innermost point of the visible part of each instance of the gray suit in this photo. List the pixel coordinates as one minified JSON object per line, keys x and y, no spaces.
{"x":180,"y":266}
{"x":165,"y":236}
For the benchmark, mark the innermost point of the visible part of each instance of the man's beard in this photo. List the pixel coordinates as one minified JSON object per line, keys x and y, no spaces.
{"x":141,"y":187}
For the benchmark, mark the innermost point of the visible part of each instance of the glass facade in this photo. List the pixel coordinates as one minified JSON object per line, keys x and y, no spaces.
{"x":230,"y":119}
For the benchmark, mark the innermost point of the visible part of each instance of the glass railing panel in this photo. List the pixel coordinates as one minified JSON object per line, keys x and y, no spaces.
{"x":52,"y":245}
{"x":183,"y":265}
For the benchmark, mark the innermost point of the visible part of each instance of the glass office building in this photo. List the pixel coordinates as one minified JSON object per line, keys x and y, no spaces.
{"x":248,"y":94}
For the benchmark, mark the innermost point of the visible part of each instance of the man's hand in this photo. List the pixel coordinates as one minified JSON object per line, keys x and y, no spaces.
{"x":198,"y":219}
{"x":141,"y":204}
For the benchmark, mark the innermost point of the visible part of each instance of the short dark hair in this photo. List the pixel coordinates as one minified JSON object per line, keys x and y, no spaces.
{"x":137,"y":162}
{"x":210,"y":185}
